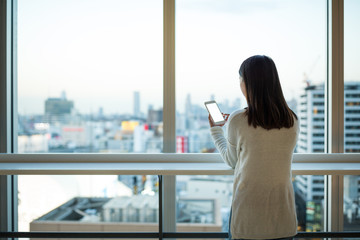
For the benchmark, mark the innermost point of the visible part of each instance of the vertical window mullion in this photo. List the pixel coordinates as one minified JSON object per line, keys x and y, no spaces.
{"x":8,"y":184}
{"x":336,"y":78}
{"x":169,"y":77}
{"x":335,"y":108}
{"x":169,"y":182}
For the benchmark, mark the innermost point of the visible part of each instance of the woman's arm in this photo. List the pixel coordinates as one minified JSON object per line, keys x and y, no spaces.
{"x":227,"y":150}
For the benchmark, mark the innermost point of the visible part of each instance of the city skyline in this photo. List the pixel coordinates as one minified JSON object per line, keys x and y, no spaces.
{"x":59,"y":131}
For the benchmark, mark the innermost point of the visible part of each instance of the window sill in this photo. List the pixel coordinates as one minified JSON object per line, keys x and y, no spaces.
{"x":162,"y":164}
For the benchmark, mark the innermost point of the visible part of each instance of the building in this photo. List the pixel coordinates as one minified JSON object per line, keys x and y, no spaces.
{"x":128,"y":214}
{"x":137,"y":112}
{"x":311,"y":140}
{"x":312,"y":125}
{"x":58,"y":109}
{"x":311,"y":114}
{"x":154,"y":116}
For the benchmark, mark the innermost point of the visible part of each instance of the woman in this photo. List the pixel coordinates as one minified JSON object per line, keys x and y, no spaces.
{"x":259,"y":146}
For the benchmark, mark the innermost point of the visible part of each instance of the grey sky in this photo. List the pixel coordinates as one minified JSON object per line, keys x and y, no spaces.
{"x":100,"y":53}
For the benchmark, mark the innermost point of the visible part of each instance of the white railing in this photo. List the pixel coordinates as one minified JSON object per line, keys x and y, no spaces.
{"x":163,"y":164}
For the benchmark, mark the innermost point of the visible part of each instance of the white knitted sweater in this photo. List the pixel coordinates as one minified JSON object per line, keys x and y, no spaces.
{"x":263,"y":204}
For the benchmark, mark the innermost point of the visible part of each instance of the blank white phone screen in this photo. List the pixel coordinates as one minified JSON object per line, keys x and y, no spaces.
{"x":215,"y":112}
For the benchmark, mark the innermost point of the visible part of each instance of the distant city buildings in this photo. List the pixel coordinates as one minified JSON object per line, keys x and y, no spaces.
{"x":129,"y":214}
{"x":61,"y":129}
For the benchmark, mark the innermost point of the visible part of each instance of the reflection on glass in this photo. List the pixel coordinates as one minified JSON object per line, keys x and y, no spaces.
{"x":88,"y":80}
{"x":88,"y":203}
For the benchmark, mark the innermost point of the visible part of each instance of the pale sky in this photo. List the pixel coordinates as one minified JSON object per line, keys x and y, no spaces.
{"x":101,"y":53}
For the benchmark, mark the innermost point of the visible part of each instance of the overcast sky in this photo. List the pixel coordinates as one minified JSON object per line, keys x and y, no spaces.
{"x":101,"y":53}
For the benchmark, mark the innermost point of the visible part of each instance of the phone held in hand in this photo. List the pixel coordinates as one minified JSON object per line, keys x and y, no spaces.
{"x":215,"y":112}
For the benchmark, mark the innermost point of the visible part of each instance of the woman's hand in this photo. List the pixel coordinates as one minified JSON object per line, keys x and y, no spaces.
{"x":212,"y":124}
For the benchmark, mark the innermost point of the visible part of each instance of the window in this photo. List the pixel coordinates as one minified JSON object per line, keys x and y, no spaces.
{"x":203,"y":70}
{"x":88,"y":203}
{"x":89,"y":83}
{"x":209,"y":50}
{"x":63,"y":104}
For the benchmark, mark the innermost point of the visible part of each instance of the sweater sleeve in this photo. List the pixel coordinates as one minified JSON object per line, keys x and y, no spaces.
{"x":226,"y":149}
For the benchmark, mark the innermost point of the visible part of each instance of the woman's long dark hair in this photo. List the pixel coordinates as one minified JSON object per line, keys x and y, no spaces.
{"x":267,"y":107}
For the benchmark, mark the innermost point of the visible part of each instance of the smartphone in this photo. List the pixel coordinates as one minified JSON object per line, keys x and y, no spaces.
{"x":215,"y":112}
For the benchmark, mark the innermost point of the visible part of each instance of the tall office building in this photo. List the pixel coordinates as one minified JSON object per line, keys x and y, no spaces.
{"x":352,"y":117}
{"x":137,"y":112}
{"x":312,"y":125}
{"x":58,"y":109}
{"x":311,"y":138}
{"x":311,"y":114}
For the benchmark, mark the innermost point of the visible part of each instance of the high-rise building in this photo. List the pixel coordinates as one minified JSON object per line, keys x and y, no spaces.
{"x":352,"y":117}
{"x":137,"y":112}
{"x":311,"y":138}
{"x":311,"y":115}
{"x":312,"y":125}
{"x":58,"y":109}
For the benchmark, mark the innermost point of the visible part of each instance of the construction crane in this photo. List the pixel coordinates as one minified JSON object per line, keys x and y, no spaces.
{"x":308,"y":74}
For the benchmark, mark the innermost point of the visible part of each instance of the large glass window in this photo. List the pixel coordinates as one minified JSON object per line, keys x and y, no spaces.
{"x":212,"y":40}
{"x":88,"y":203}
{"x":209,"y":199}
{"x":90,"y":76}
{"x":89,"y":80}
{"x":207,"y":203}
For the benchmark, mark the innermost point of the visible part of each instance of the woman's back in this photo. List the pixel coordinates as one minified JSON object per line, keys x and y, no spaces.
{"x":259,"y":146}
{"x":260,"y":151}
{"x":262,"y":187}
{"x":263,"y":195}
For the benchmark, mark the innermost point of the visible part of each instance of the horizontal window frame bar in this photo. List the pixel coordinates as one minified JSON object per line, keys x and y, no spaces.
{"x":353,"y":234}
{"x":161,"y":158}
{"x":166,"y":169}
{"x":168,"y":164}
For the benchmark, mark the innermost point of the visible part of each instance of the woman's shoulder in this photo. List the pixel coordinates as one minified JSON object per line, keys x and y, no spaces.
{"x":296,"y":123}
{"x":237,"y":116}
